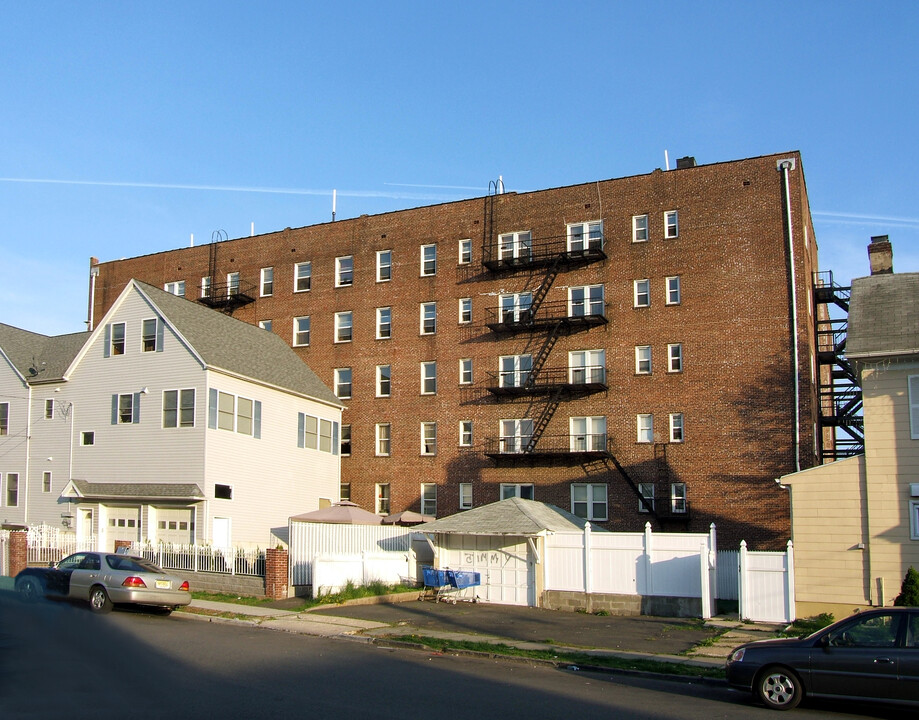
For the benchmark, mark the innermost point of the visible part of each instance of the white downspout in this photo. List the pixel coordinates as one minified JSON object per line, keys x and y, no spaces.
{"x":785,"y":166}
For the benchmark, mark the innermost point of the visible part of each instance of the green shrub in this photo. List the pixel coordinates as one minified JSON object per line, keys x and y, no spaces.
{"x":909,"y":591}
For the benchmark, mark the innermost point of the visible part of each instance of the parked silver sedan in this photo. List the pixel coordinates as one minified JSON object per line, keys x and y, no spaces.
{"x":105,"y":579}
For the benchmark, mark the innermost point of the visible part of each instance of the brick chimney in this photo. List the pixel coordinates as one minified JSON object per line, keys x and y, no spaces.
{"x":880,"y":255}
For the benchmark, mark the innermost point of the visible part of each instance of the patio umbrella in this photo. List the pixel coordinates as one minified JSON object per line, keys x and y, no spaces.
{"x":343,"y":513}
{"x":407,"y":517}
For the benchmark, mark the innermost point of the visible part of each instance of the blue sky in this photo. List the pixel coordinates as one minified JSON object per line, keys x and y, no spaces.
{"x":125,"y":128}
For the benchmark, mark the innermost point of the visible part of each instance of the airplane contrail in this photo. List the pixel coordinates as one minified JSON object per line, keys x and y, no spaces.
{"x":858,"y":219}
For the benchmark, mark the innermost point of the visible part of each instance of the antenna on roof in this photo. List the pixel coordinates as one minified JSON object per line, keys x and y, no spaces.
{"x":666,"y":160}
{"x":334,"y":193}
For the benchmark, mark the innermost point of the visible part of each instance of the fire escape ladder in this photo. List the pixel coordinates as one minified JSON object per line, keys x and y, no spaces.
{"x":540,"y":294}
{"x":540,"y":360}
{"x":604,"y":463}
{"x":539,"y":427}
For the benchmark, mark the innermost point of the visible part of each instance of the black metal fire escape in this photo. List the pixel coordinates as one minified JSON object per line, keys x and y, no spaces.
{"x":225,"y":296}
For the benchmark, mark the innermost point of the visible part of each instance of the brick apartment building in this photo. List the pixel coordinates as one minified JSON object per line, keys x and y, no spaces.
{"x":624,"y":349}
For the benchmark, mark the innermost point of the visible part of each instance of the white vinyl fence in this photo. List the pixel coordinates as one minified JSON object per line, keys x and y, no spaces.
{"x":49,"y":544}
{"x":331,"y":573}
{"x":4,"y":552}
{"x":203,"y":558}
{"x":766,"y":582}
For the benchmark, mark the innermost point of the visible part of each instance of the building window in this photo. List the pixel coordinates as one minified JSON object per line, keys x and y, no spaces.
{"x":117,"y":340}
{"x":516,"y":435}
{"x":523,"y":491}
{"x":4,"y":418}
{"x":384,"y":323}
{"x":345,"y":440}
{"x":643,"y":360}
{"x":343,"y":326}
{"x":585,"y":236}
{"x":301,"y":331}
{"x":343,"y":383}
{"x":384,"y":380}
{"x":514,"y":370}
{"x":515,"y":308}
{"x":642,"y":293}
{"x":429,"y":438}
{"x":675,"y":358}
{"x":646,"y":491}
{"x":326,"y":435}
{"x":175,"y":288}
{"x":678,"y":498}
{"x":913,"y":391}
{"x":465,"y":310}
{"x":344,"y":271}
{"x":639,"y":228}
{"x":465,"y":433}
{"x":223,"y":492}
{"x":587,"y":300}
{"x":124,"y":407}
{"x":206,"y":287}
{"x":428,"y":499}
{"x":265,"y":325}
{"x":382,"y":494}
{"x":384,"y":265}
{"x":12,"y":489}
{"x":428,"y":378}
{"x":671,"y":224}
{"x":149,"y":335}
{"x":232,"y":284}
{"x":465,"y":371}
{"x":676,"y":427}
{"x":344,"y":492}
{"x":428,"y":260}
{"x":588,"y":434}
{"x":516,"y":245}
{"x":87,"y":438}
{"x":384,"y":439}
{"x":587,"y":367}
{"x":179,"y":408}
{"x":46,"y":481}
{"x":267,"y":282}
{"x":588,"y":501}
{"x":428,"y":318}
{"x":465,"y":252}
{"x":49,"y":409}
{"x":465,"y":496}
{"x":244,"y":415}
{"x":645,"y":428}
{"x":673,"y":290}
{"x":303,"y":276}
{"x":318,"y":434}
{"x":310,"y":432}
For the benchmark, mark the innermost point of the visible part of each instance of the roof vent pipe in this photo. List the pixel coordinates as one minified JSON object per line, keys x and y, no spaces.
{"x":880,"y":255}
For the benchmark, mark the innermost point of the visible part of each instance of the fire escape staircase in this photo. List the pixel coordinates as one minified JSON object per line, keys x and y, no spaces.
{"x":224,"y":296}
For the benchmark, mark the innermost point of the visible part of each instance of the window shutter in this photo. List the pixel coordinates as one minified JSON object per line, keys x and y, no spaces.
{"x":107,"y":348}
{"x":135,"y":410}
{"x":257,"y":419}
{"x":301,"y":429}
{"x":160,"y":334}
{"x":114,"y":409}
{"x":914,"y":407}
{"x":212,"y":408}
{"x":335,"y":446}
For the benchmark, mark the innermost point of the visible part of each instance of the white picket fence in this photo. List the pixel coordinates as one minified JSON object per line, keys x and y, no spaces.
{"x":47,"y":544}
{"x":203,"y":558}
{"x":331,"y":573}
{"x":766,"y":585}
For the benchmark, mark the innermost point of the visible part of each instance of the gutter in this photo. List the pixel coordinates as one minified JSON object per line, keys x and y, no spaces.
{"x":784,"y":166}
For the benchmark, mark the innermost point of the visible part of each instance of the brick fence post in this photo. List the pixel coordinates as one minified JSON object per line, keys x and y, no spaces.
{"x":19,"y":551}
{"x":276,"y":563}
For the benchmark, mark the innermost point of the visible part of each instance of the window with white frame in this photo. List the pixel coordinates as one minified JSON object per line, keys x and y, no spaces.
{"x":465,"y":251}
{"x":49,"y":409}
{"x":117,"y":342}
{"x":179,"y":408}
{"x":515,"y":245}
{"x":514,"y":370}
{"x":384,"y":323}
{"x":639,"y":228}
{"x":4,"y":418}
{"x":676,"y":427}
{"x":428,"y":260}
{"x":524,"y":491}
{"x":673,"y":290}
{"x":266,"y":282}
{"x":515,"y":307}
{"x":589,"y":501}
{"x":914,"y":519}
{"x":465,"y":310}
{"x":87,"y":438}
{"x":428,"y":378}
{"x":345,"y":447}
{"x":642,"y":293}
{"x":516,"y":434}
{"x":384,"y":265}
{"x":428,"y":499}
{"x":344,"y":492}
{"x":465,"y":496}
{"x":465,"y":433}
{"x":671,"y":224}
{"x":382,"y":498}
{"x":646,"y":490}
{"x":46,"y":481}
{"x":344,"y":326}
{"x":384,"y":380}
{"x":303,"y":276}
{"x":587,"y":434}
{"x":645,"y":424}
{"x":678,"y":498}
{"x":343,"y":383}
{"x":175,"y":288}
{"x":12,"y":489}
{"x":585,"y":236}
{"x":265,"y":325}
{"x":643,"y":360}
{"x":383,"y":439}
{"x":206,"y":286}
{"x":428,"y":318}
{"x":586,"y":300}
{"x":327,"y":436}
{"x":302,"y":331}
{"x":344,"y":271}
{"x":675,"y":357}
{"x":465,"y":371}
{"x":232,"y":284}
{"x":233,"y":413}
{"x":587,"y":367}
{"x":126,"y":409}
{"x":913,"y":391}
{"x":149,"y":335}
{"x":429,"y":438}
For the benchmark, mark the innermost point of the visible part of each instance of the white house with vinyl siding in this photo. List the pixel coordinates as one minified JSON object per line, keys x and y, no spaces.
{"x":172,"y":422}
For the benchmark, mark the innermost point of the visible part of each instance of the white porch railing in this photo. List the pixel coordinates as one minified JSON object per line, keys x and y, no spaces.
{"x":203,"y":558}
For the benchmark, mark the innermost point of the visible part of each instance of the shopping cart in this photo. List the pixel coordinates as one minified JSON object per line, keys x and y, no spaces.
{"x":434,"y":581}
{"x":458,"y":581}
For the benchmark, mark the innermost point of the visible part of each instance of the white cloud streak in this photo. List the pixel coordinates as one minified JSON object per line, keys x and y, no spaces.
{"x":862,"y":219}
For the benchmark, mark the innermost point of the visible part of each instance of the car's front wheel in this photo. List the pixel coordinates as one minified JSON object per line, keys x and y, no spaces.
{"x":779,"y":688}
{"x":30,"y":589}
{"x":99,"y":601}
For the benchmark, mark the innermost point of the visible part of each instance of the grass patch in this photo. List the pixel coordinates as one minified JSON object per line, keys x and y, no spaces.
{"x":563,"y":658}
{"x":232,"y":598}
{"x":349,"y":592}
{"x":806,"y":626}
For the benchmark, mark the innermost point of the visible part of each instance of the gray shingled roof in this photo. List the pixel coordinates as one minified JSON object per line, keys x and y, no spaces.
{"x":229,"y":344}
{"x":174,"y":491}
{"x":40,"y":358}
{"x":884,"y":316}
{"x":513,"y":516}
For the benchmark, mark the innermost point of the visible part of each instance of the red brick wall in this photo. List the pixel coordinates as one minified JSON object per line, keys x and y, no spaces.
{"x":276,"y":573}
{"x":19,"y":551}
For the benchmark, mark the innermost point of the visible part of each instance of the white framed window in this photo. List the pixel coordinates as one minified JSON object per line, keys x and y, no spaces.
{"x":589,"y":501}
{"x":382,"y":498}
{"x":46,"y":481}
{"x":587,"y":367}
{"x":384,"y":323}
{"x":465,"y":251}
{"x":642,"y":293}
{"x":676,"y":427}
{"x":428,"y":378}
{"x":673,"y":290}
{"x":149,"y":335}
{"x":645,"y":423}
{"x":49,"y":409}
{"x":232,"y":284}
{"x":4,"y":419}
{"x":428,"y":499}
{"x":117,"y":339}
{"x":310,"y":431}
{"x":639,"y":228}
{"x":914,"y":519}
{"x":383,"y":439}
{"x":428,"y":318}
{"x":303,"y":276}
{"x":587,"y":434}
{"x":176,"y":288}
{"x":678,"y":498}
{"x":384,"y":380}
{"x":125,"y":409}
{"x":465,"y":311}
{"x":671,"y":224}
{"x":515,"y":307}
{"x":344,"y":492}
{"x":516,"y":435}
{"x":344,"y":271}
{"x":429,"y":438}
{"x":465,"y":371}
{"x":343,"y":383}
{"x":87,"y":438}
{"x":586,"y":300}
{"x":344,"y":326}
{"x":345,"y":446}
{"x":12,"y":489}
{"x":643,"y":360}
{"x":675,"y":357}
{"x":913,"y":391}
{"x":515,"y":245}
{"x":585,"y":236}
{"x":465,"y":496}
{"x":327,"y":431}
{"x":646,"y":490}
{"x":234,"y":413}
{"x":523,"y":491}
{"x":384,"y":265}
{"x":465,"y":433}
{"x":428,"y":260}
{"x":206,"y":286}
{"x":514,"y":370}
{"x":265,"y":325}
{"x":302,"y":331}
{"x":266,"y":282}
{"x":179,"y":408}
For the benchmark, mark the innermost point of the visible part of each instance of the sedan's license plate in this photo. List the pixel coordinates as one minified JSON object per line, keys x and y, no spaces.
{"x":163,"y":584}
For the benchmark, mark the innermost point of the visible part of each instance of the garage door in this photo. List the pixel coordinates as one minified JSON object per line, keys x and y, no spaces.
{"x":123,"y":524}
{"x":175,"y":525}
{"x":504,"y":564}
